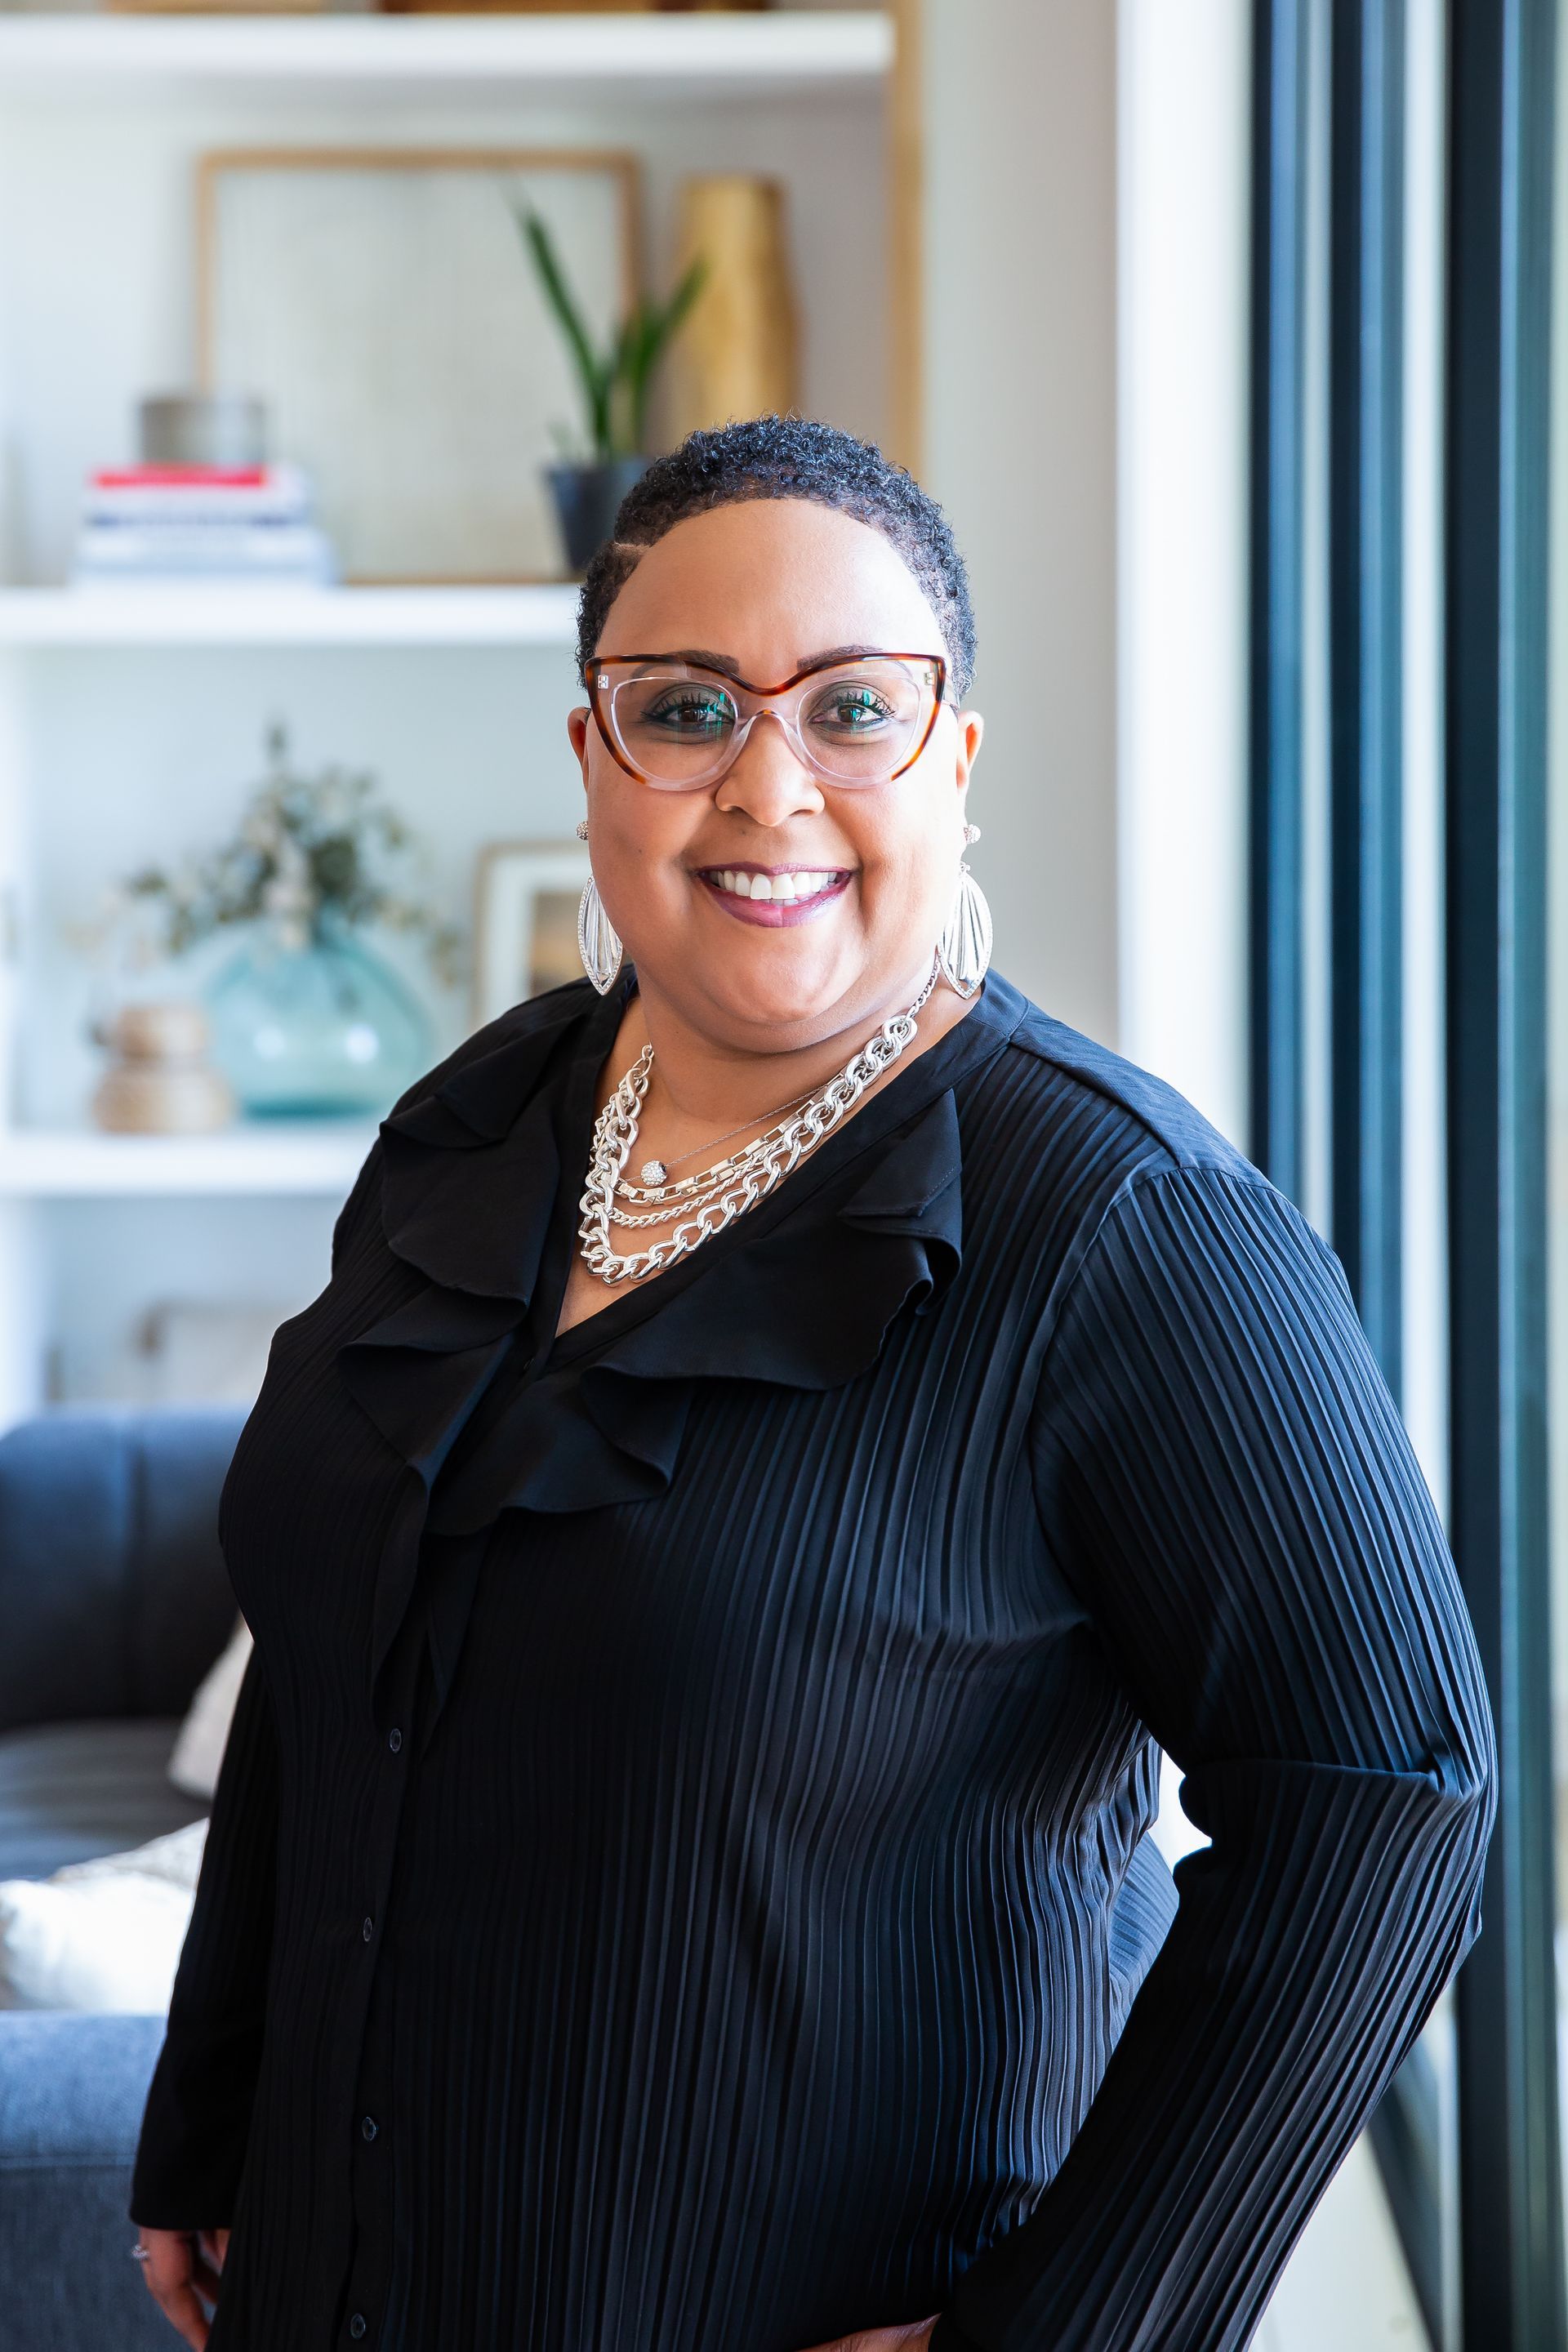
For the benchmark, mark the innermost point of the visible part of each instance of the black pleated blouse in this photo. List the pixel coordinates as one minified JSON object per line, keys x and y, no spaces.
{"x":679,"y":1878}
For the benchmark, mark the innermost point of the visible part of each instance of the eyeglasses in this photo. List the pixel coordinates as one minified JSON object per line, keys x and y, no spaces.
{"x":677,"y":727}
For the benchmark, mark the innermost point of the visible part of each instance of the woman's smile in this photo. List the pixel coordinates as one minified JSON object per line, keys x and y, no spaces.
{"x":774,"y":896}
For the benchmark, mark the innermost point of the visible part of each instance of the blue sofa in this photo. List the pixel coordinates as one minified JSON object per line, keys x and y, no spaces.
{"x":113,"y":1603}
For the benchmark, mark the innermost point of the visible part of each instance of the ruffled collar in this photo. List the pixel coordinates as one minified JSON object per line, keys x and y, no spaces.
{"x":478,"y":1203}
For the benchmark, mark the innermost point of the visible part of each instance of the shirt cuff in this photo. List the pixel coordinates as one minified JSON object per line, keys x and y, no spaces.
{"x":948,"y":2336}
{"x":143,"y":2219}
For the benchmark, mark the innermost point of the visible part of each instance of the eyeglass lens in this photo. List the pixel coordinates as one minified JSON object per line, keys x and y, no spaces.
{"x":856,"y":723}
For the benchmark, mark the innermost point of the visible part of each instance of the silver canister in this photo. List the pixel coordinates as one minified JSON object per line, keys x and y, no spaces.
{"x":226,"y":430}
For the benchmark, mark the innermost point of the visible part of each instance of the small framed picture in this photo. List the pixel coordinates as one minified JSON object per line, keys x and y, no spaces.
{"x":525,"y":921}
{"x":381,"y":302}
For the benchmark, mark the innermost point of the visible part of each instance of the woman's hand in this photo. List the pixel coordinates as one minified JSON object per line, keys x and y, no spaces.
{"x":913,"y":2337}
{"x":182,"y":2272}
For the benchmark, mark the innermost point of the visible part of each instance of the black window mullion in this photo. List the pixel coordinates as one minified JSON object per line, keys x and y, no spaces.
{"x":1366,"y":528}
{"x":1500,"y":149}
{"x":1367,"y":507}
{"x":1274,"y":684}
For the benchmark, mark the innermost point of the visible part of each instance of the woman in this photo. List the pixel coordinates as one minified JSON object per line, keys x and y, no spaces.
{"x":679,"y":1877}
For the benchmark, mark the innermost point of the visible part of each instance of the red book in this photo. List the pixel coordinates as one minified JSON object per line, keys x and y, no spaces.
{"x":181,"y":478}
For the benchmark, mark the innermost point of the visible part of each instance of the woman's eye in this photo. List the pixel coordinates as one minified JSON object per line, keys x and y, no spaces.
{"x":853,"y":710}
{"x":690,"y":714}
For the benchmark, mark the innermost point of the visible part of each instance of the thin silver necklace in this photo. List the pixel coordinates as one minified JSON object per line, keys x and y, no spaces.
{"x":655,"y":1173}
{"x":754,"y":1172}
{"x":667,"y":1199}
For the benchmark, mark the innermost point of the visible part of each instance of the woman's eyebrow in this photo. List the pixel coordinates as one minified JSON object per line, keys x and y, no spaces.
{"x":700,"y":658}
{"x":840,"y":653}
{"x":703,"y":658}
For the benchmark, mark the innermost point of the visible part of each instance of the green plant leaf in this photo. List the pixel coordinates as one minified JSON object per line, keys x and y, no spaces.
{"x":655,"y":324}
{"x":627,"y":436}
{"x":685,"y":294}
{"x":596,"y":373}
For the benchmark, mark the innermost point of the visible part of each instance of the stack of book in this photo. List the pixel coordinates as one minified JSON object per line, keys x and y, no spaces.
{"x":249,"y":523}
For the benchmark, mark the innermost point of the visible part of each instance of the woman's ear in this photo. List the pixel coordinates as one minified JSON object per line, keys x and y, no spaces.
{"x":577,"y":733}
{"x":970,"y":727}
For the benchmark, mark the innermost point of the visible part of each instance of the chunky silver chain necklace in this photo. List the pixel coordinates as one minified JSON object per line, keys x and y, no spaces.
{"x":718,"y":1195}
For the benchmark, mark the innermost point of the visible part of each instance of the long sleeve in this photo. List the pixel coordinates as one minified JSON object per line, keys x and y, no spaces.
{"x":1224,"y":1481}
{"x":197,"y":2117}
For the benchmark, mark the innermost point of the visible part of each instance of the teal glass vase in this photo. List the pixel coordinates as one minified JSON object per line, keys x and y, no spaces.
{"x":313,"y":1025}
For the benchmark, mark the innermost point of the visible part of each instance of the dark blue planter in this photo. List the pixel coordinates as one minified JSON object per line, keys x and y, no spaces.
{"x":586,"y":498}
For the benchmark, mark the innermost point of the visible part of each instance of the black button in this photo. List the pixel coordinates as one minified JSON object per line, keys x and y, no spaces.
{"x":394,"y":1740}
{"x":369,"y":2127}
{"x":368,"y":1930}
{"x":357,"y":2326}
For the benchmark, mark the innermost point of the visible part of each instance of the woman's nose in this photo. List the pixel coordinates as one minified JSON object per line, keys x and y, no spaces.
{"x":769,"y":780}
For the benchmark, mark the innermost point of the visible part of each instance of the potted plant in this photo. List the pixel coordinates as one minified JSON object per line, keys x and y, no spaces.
{"x":615,"y":382}
{"x":305,"y":1018}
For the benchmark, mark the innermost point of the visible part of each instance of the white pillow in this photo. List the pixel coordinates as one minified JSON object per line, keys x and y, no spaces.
{"x":101,"y":1935}
{"x":198,"y":1751}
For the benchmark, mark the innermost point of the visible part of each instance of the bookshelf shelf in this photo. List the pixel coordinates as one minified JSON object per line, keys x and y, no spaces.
{"x":670,"y":58}
{"x":195,"y":614}
{"x":311,"y":1159}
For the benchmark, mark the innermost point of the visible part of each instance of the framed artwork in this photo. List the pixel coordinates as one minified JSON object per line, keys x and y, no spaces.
{"x":218,"y":8}
{"x":525,"y":921}
{"x":381,"y":302}
{"x":527,"y":7}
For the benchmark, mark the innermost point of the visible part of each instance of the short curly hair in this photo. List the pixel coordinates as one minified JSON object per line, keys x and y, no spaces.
{"x":786,"y":457}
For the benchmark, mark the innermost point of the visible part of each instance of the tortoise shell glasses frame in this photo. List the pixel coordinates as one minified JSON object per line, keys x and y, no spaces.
{"x":677,"y":723}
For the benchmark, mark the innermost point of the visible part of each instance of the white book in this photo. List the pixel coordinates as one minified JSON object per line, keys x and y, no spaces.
{"x":284,"y":496}
{"x":294,"y":552}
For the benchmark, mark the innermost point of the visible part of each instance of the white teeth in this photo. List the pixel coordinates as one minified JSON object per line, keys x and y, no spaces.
{"x":787,"y":888}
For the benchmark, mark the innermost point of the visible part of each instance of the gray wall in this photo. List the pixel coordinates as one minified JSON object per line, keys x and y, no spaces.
{"x":1020,"y":446}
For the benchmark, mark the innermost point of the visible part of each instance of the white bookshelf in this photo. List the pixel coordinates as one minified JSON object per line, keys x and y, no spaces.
{"x":131,"y":718}
{"x":359,"y":58}
{"x":232,"y":616}
{"x":254,"y":1160}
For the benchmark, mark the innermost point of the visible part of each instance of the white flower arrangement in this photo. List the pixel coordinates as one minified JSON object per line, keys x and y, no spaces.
{"x":309,"y":850}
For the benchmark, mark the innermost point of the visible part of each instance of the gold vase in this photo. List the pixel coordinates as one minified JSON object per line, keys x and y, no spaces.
{"x":737,"y":355}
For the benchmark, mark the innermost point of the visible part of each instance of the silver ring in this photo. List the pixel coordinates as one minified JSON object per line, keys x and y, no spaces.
{"x":140,"y":2254}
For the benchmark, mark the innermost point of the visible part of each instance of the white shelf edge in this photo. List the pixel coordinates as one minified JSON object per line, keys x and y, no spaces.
{"x":221,"y":614}
{"x":259,"y":1161}
{"x":661,"y":54}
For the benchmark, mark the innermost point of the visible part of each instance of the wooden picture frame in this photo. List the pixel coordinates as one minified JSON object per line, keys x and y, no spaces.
{"x":380,"y":301}
{"x":526,"y":7}
{"x":218,"y":8}
{"x":525,"y":922}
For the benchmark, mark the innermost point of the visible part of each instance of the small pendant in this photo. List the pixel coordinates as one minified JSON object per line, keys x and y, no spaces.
{"x":653,"y":1171}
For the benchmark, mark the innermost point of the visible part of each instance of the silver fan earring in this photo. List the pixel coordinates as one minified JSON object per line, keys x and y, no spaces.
{"x":597,"y":942}
{"x":963,"y":950}
{"x":582,"y":828}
